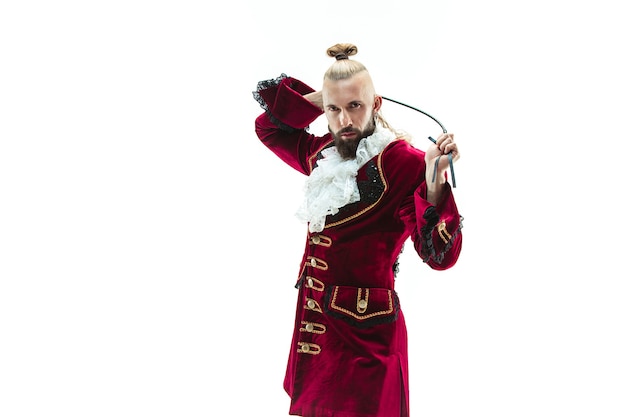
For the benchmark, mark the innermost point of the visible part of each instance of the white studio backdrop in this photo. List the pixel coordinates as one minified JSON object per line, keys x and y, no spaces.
{"x":148,"y":244}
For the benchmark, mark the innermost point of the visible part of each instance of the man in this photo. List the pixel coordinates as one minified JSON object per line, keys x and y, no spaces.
{"x":367,"y":192}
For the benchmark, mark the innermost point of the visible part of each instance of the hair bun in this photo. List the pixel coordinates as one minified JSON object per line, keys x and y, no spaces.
{"x":342,"y":51}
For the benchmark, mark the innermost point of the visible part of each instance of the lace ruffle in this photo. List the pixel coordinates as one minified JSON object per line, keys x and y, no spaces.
{"x":264,"y":85}
{"x":332,"y":184}
{"x":428,"y":246}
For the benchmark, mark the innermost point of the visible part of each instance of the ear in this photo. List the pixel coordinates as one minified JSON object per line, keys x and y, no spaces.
{"x":378,"y":101}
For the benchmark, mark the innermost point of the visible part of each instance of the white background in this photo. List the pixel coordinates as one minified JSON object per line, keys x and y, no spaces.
{"x":148,"y":244}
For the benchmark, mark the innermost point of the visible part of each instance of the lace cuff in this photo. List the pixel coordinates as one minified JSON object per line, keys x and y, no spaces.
{"x":437,"y":243}
{"x":440,"y":229}
{"x":282,"y":100}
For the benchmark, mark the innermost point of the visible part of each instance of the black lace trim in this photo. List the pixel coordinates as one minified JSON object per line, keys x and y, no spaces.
{"x":370,"y":191}
{"x":396,"y":264}
{"x":264,"y":85}
{"x":319,"y":155}
{"x":428,"y":248}
{"x":439,"y":258}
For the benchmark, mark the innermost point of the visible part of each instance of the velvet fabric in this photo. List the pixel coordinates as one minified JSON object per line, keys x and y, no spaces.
{"x":348,"y":356}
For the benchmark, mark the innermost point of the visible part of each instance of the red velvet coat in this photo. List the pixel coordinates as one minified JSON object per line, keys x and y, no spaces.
{"x":349,"y":350}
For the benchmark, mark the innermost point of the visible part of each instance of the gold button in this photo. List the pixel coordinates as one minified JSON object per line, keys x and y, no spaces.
{"x":316,"y":239}
{"x":313,"y":262}
{"x":309,"y":327}
{"x":310,"y":282}
{"x":305,"y":348}
{"x":362,"y":304}
{"x":310,"y":304}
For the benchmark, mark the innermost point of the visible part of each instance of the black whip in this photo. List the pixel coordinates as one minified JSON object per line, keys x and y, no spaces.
{"x":433,"y":140}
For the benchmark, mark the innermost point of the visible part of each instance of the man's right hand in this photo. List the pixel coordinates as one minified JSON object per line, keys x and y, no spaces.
{"x":315,"y":98}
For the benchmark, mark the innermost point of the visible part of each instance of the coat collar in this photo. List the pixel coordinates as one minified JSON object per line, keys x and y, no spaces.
{"x":332,"y":183}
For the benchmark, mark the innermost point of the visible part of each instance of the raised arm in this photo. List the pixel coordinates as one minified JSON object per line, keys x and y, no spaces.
{"x":289,"y":110}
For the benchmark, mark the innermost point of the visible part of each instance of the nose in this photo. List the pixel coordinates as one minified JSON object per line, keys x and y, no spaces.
{"x":344,"y":119}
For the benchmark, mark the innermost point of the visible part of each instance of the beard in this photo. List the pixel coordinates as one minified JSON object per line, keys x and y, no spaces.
{"x":347,"y":147}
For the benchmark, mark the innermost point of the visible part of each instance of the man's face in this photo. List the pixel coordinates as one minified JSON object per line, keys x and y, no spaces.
{"x":350,"y":105}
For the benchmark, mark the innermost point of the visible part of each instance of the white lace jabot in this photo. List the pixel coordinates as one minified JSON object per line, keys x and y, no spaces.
{"x":332,"y":183}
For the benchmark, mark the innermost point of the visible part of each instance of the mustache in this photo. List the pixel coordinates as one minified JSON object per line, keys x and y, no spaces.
{"x":348,"y":129}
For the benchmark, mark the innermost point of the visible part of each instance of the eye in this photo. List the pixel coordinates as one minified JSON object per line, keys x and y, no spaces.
{"x":332,"y":108}
{"x":355,"y":105}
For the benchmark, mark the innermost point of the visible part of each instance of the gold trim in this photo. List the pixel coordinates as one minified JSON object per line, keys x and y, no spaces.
{"x":312,"y":160}
{"x":382,"y":178}
{"x":314,"y":283}
{"x":320,"y":240}
{"x":441,"y":228}
{"x":316,"y":307}
{"x":361,"y":303}
{"x":311,"y":327}
{"x":309,"y":348}
{"x":317,"y":263}
{"x":356,"y":316}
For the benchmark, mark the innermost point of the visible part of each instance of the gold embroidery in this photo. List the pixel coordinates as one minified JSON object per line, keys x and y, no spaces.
{"x":321,"y":240}
{"x":356,"y":316}
{"x":312,"y":305}
{"x":382,"y":178}
{"x":441,"y":228}
{"x":317,"y":263}
{"x":361,"y":303}
{"x":310,"y":348}
{"x":313,"y":157}
{"x":311,"y":327}
{"x":314,"y":284}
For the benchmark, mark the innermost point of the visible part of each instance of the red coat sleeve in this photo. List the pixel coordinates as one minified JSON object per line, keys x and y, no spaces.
{"x":283,"y":125}
{"x":437,"y":236}
{"x":434,"y":230}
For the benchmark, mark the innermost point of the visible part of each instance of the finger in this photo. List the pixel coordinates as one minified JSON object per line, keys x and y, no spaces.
{"x":441,"y":138}
{"x":445,"y":137}
{"x":444,"y":146}
{"x":450,"y":147}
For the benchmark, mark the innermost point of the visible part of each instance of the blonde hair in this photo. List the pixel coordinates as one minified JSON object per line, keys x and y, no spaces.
{"x":343,"y":67}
